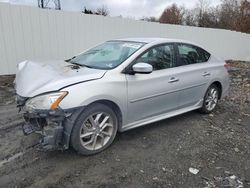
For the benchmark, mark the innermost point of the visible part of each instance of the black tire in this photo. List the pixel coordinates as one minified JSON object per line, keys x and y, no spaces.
{"x":75,"y":135}
{"x":204,"y":108}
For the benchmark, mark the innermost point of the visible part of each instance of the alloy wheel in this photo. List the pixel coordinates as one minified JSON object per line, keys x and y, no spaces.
{"x":211,"y":99}
{"x":96,"y":131}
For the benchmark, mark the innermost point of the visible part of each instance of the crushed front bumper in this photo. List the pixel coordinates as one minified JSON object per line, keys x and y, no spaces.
{"x":55,"y":126}
{"x":47,"y":123}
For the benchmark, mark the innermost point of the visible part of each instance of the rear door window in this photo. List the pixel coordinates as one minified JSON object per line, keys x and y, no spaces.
{"x":189,"y":54}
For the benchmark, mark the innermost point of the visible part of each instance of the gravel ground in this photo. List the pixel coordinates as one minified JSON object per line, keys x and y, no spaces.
{"x":190,"y":150}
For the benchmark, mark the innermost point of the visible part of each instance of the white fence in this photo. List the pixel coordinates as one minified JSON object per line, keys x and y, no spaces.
{"x":37,"y":34}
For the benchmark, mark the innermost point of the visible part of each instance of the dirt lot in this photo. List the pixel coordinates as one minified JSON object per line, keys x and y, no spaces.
{"x":157,"y":155}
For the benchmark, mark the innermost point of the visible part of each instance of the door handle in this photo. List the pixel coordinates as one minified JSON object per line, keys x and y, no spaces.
{"x":206,"y":74}
{"x":173,"y":79}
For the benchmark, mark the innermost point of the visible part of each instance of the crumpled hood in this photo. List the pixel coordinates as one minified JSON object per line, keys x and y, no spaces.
{"x":34,"y":78}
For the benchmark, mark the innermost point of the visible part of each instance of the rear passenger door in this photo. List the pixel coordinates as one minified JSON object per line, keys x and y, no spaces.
{"x":194,"y":74}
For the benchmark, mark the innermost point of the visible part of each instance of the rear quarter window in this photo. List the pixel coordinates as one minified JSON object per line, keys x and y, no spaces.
{"x":190,"y":54}
{"x":204,"y":54}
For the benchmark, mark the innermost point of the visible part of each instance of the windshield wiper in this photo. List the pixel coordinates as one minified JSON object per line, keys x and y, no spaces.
{"x":82,"y":65}
{"x":88,"y":66}
{"x":68,"y":60}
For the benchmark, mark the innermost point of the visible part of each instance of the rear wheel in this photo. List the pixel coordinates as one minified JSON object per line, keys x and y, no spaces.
{"x":94,"y":130}
{"x":211,"y":99}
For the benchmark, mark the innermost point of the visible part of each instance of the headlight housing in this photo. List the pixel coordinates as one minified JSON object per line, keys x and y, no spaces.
{"x":48,"y":101}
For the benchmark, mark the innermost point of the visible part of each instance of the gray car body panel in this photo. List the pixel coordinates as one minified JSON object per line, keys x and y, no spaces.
{"x":141,"y":98}
{"x":34,"y":78}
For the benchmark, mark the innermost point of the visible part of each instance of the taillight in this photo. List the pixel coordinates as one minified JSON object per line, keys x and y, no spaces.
{"x":227,"y":66}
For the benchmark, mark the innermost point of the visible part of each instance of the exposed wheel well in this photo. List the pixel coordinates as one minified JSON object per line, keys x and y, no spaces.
{"x":114,"y":107}
{"x":219,"y":86}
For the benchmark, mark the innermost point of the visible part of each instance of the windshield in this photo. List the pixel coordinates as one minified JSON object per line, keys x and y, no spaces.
{"x":107,"y":55}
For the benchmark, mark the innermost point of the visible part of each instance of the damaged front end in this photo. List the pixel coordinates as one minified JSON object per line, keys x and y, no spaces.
{"x":40,"y":88}
{"x":54,"y":125}
{"x":49,"y":125}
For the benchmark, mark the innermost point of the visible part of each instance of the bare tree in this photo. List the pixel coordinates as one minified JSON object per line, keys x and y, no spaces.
{"x":190,"y":17}
{"x":202,"y":6}
{"x":47,"y":4}
{"x":102,"y":11}
{"x":229,"y":14}
{"x":87,"y":11}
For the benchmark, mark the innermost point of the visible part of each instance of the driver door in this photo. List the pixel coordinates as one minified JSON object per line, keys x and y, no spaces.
{"x":155,"y":93}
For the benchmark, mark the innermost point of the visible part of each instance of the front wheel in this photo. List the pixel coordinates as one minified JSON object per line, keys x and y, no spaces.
{"x":94,"y":130}
{"x":210,"y":99}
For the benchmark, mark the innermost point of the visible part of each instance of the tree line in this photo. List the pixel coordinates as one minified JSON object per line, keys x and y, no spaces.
{"x":103,"y":11}
{"x":230,"y":14}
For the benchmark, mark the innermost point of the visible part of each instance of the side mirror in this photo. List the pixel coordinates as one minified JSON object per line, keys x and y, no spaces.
{"x":142,"y":68}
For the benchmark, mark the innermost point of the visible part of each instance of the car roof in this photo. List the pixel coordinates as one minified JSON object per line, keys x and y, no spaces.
{"x":150,"y":40}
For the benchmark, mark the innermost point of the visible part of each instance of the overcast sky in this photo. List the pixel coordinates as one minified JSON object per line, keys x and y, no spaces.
{"x":126,"y":8}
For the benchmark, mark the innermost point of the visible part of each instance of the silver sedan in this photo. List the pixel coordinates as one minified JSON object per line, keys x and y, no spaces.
{"x":116,"y":86}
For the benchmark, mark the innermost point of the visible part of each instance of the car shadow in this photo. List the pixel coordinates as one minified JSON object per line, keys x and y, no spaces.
{"x":173,"y":124}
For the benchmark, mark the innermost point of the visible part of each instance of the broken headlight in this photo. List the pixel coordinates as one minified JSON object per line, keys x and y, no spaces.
{"x":48,"y":101}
